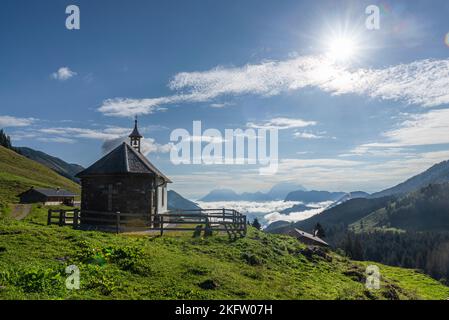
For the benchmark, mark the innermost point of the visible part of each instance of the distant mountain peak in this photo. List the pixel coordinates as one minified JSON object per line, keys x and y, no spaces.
{"x":178,"y":202}
{"x":437,"y":174}
{"x":277,"y":192}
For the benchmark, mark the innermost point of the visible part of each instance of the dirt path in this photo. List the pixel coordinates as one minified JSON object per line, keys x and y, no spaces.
{"x":20,"y":211}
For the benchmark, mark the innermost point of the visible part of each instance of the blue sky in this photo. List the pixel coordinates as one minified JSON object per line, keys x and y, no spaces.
{"x":379,"y":117}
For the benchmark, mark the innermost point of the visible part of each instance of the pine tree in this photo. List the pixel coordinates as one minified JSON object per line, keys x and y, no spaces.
{"x":347,"y":246}
{"x":5,"y":140}
{"x":318,"y":231}
{"x":2,"y":138}
{"x":357,"y":252}
{"x":256,"y":224}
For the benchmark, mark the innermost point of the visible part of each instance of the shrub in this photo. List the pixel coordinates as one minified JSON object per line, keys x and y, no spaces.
{"x":35,"y":280}
{"x":127,"y":258}
{"x":99,"y":279}
{"x":252,"y":259}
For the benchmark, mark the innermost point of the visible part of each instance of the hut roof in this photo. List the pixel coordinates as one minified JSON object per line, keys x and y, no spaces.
{"x":299,"y":233}
{"x":123,"y":159}
{"x":52,"y":192}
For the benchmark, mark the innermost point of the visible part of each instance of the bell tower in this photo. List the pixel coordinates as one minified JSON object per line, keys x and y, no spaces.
{"x":135,"y":137}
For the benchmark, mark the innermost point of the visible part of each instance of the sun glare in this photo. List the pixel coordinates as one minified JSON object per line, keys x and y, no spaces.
{"x":342,"y":49}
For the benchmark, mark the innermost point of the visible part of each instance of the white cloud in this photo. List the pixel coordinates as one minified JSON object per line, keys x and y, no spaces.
{"x":281,"y":123}
{"x":205,"y":138}
{"x":296,"y":216}
{"x":429,"y":128}
{"x":86,"y":133}
{"x":148,"y":145}
{"x":63,"y":74}
{"x":123,"y":107}
{"x":8,"y":121}
{"x":308,"y":135}
{"x":56,"y":139}
{"x":220,"y":105}
{"x":423,"y":82}
{"x":288,"y":164}
{"x":249,"y":206}
{"x":422,"y":129}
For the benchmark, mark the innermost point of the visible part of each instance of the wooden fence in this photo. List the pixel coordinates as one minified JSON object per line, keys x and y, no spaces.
{"x":220,"y":220}
{"x":64,"y":217}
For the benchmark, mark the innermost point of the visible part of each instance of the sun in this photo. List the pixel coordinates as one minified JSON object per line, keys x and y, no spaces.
{"x":342,"y":48}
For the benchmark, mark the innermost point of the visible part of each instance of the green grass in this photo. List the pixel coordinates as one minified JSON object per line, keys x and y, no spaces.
{"x":33,"y":258}
{"x":416,"y":283}
{"x":18,"y":174}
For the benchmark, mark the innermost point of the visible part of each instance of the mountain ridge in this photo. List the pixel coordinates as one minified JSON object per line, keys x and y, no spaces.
{"x":65,"y":169}
{"x":178,"y":202}
{"x":438,"y":173}
{"x":277,"y":192}
{"x":424,"y":210}
{"x":19,"y":173}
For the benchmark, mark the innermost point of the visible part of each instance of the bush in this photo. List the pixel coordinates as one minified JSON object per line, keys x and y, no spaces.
{"x":34,"y":280}
{"x":100,"y":279}
{"x":128,"y":258}
{"x":252,"y":259}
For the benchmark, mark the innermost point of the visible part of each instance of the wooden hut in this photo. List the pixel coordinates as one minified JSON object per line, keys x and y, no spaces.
{"x":123,"y":181}
{"x":48,"y":197}
{"x":306,"y":238}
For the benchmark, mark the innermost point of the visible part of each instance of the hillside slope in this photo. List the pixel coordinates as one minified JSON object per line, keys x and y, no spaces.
{"x":18,"y":173}
{"x":68,"y":170}
{"x":438,"y":173}
{"x":424,"y":210}
{"x":178,"y":202}
{"x":343,"y":214}
{"x":33,"y":258}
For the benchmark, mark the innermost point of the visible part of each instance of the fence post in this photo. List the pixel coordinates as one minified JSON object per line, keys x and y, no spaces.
{"x":75,"y":218}
{"x":117,"y":217}
{"x":162,"y":225}
{"x":246,"y":225}
{"x":49,"y":217}
{"x":224,"y":215}
{"x":61,"y":217}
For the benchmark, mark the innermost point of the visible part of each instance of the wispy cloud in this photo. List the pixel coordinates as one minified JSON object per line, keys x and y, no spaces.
{"x":111,"y":136}
{"x":9,"y":121}
{"x":423,"y":82}
{"x":63,"y":74}
{"x":309,"y":135}
{"x":148,"y":145}
{"x":56,"y":139}
{"x":281,"y":123}
{"x":430,"y":128}
{"x":87,"y":133}
{"x":220,"y":105}
{"x":289,"y":164}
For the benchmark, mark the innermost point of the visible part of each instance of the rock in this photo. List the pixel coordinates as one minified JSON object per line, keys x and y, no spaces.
{"x":391,"y":292}
{"x":209,"y":284}
{"x":313,"y":252}
{"x":356,"y":274}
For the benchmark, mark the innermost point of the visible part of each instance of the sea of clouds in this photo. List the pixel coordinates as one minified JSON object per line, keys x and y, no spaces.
{"x":269,"y":211}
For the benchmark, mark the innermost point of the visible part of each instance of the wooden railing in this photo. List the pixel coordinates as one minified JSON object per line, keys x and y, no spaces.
{"x":64,"y":217}
{"x":220,"y":220}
